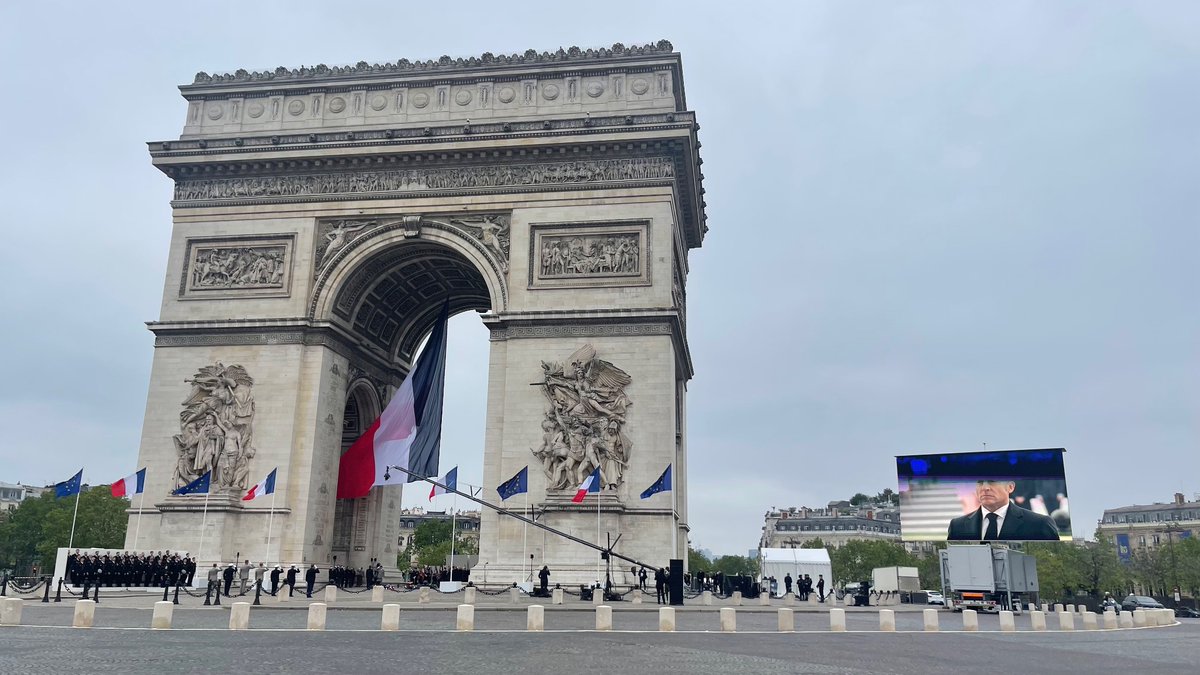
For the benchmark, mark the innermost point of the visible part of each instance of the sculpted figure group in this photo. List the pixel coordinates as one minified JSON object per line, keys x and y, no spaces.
{"x":216,"y":428}
{"x":583,"y":428}
{"x":238,"y":267}
{"x":581,"y":256}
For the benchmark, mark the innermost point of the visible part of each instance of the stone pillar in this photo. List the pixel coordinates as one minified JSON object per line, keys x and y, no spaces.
{"x":666,"y":619}
{"x":514,"y":595}
{"x":1030,"y":607}
{"x":1066,"y":620}
{"x":535,"y":618}
{"x":597,"y":597}
{"x":1058,"y":607}
{"x":603,"y":617}
{"x":1125,"y":619}
{"x":789,"y":600}
{"x":887,"y":620}
{"x":728,"y":620}
{"x":239,"y":616}
{"x":423,"y":595}
{"x":391,"y":617}
{"x":764,"y":599}
{"x":1110,"y":620}
{"x":85,"y":614}
{"x":706,"y":598}
{"x":787,"y":620}
{"x":330,"y":594}
{"x":1008,"y":622}
{"x":1089,"y":620}
{"x":557,"y":597}
{"x":469,"y":595}
{"x":316,"y":616}
{"x":1037,"y":620}
{"x":837,"y":620}
{"x":10,"y":611}
{"x":279,"y":597}
{"x":1045,"y":608}
{"x":637,"y":596}
{"x":737,"y":598}
{"x":164,"y":610}
{"x":931,"y":620}
{"x":1139,"y":618}
{"x":970,"y":620}
{"x":377,"y":594}
{"x":465,"y":620}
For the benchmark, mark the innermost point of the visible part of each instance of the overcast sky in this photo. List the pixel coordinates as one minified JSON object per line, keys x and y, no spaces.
{"x":933,"y":225}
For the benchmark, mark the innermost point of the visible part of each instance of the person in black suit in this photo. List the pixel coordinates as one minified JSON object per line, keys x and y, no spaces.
{"x":310,"y":578}
{"x":998,"y":519}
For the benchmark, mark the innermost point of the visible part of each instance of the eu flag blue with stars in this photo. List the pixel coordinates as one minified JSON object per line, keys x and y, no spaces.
{"x":198,"y":486}
{"x":70,"y":486}
{"x":515,"y":485}
{"x":663,"y":484}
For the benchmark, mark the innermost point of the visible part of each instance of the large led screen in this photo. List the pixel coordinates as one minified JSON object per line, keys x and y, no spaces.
{"x":1005,"y":495}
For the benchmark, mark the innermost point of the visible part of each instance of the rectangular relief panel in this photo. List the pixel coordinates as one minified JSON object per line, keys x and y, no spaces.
{"x":589,"y":255}
{"x":238,"y":267}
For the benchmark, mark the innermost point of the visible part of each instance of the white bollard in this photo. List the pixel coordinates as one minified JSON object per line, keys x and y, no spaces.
{"x":1037,"y":620}
{"x":603,"y":617}
{"x":887,"y":620}
{"x":728,"y":620}
{"x":706,"y":598}
{"x":330,"y":594}
{"x":1066,"y":620}
{"x":1169,"y":616}
{"x":1110,"y":620}
{"x":1030,"y":607}
{"x":837,"y":620}
{"x":1008,"y":622}
{"x":239,"y":616}
{"x":737,"y":598}
{"x":423,"y":595}
{"x":666,"y":619}
{"x":466,"y":618}
{"x":637,"y":596}
{"x":10,"y":611}
{"x":764,"y":599}
{"x":557,"y":596}
{"x":931,"y":620}
{"x":1139,"y":618}
{"x":280,"y":597}
{"x":164,"y":610}
{"x":469,"y":595}
{"x":1045,"y":608}
{"x":1058,"y":608}
{"x":316,"y":616}
{"x":832,"y":599}
{"x":789,"y":600}
{"x":787,"y":620}
{"x":514,"y":595}
{"x":391,"y":617}
{"x":85,"y":614}
{"x":1089,"y":620}
{"x":1125,"y":620}
{"x":597,"y":597}
{"x":377,"y":594}
{"x":970,"y":620}
{"x":535,"y":618}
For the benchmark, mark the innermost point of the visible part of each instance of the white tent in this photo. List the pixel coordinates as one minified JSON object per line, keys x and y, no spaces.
{"x":779,"y":562}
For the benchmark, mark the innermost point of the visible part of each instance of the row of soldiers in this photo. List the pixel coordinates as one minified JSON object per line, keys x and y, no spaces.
{"x":129,"y":569}
{"x":348,"y":577}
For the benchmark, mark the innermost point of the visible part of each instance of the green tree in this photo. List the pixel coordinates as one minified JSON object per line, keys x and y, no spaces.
{"x":859,"y":499}
{"x":855,"y":560}
{"x":697,"y":562}
{"x":929,"y":567}
{"x":735,"y":564}
{"x":36,"y":530}
{"x":431,"y":543}
{"x":888,"y":496}
{"x":815,"y":542}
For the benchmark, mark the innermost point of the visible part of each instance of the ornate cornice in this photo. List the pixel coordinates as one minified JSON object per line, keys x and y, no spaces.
{"x":443,"y":64}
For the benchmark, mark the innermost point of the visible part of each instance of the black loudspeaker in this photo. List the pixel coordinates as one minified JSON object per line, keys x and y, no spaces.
{"x":675,"y":582}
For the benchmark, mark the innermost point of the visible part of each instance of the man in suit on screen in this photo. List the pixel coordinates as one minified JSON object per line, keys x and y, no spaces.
{"x":998,"y":519}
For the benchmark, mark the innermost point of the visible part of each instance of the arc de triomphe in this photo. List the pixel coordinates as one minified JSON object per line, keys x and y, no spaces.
{"x":321,"y":218}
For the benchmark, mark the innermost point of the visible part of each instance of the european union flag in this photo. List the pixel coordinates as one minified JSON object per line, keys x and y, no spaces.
{"x":70,"y":486}
{"x":198,"y":486}
{"x":515,"y":485}
{"x":663,"y":484}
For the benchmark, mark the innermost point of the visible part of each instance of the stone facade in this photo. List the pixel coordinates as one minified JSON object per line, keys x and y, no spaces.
{"x":1148,"y":526}
{"x":834,"y":525}
{"x":322,"y":216}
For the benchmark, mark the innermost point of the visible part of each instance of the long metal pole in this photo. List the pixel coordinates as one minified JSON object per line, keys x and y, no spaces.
{"x":137,"y":530}
{"x":518,"y":516}
{"x":203,"y":526}
{"x":270,"y":524}
{"x":453,"y":526}
{"x":599,"y":556}
{"x":71,"y":541}
{"x":525,"y":540}
{"x":675,"y":523}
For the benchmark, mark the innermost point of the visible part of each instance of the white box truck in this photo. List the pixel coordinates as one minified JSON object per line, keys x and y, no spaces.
{"x":987,"y":578}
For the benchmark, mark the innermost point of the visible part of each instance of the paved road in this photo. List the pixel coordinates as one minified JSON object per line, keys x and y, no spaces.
{"x":425,"y":645}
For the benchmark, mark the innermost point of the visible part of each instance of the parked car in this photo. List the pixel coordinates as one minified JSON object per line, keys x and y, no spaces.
{"x":1186,"y":612}
{"x":1132,"y":602}
{"x":934,"y":598}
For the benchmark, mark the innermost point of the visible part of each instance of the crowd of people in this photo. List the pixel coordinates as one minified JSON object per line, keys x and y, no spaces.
{"x":129,"y":569}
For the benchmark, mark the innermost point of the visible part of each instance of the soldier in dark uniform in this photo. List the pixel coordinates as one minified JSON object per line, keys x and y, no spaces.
{"x":275,"y":579}
{"x":291,"y":580}
{"x":228,"y":576}
{"x":72,"y":566}
{"x":310,"y":578}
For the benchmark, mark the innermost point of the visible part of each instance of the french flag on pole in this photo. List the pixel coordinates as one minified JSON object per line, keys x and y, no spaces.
{"x":130,"y":485}
{"x":409,"y":432}
{"x":450,"y":481}
{"x":265,"y":487}
{"x":590,"y":484}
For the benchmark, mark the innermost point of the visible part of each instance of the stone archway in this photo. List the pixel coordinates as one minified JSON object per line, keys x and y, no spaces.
{"x":321,"y":217}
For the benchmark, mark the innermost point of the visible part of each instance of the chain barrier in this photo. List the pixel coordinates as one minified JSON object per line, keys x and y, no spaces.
{"x":499,"y":592}
{"x":17,"y":587}
{"x":395,"y":588}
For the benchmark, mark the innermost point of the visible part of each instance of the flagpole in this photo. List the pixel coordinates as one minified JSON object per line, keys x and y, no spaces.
{"x":203,"y":524}
{"x":599,"y":555}
{"x":270,"y":524}
{"x":525,"y":538}
{"x":137,"y":530}
{"x":453,"y":525}
{"x":71,"y":541}
{"x":674,"y":521}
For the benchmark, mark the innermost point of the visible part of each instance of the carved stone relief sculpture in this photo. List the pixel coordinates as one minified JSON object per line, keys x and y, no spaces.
{"x":491,"y":230}
{"x":585,"y":419}
{"x":216,"y":428}
{"x":238,"y":267}
{"x":590,"y":256}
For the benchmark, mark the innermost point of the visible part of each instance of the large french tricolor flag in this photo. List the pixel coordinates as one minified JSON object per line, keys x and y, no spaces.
{"x":590,"y":484}
{"x":264,"y":487}
{"x":409,"y":432}
{"x":128,"y":486}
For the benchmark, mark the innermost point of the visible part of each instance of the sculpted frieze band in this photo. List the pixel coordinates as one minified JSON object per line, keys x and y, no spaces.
{"x":415,"y":180}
